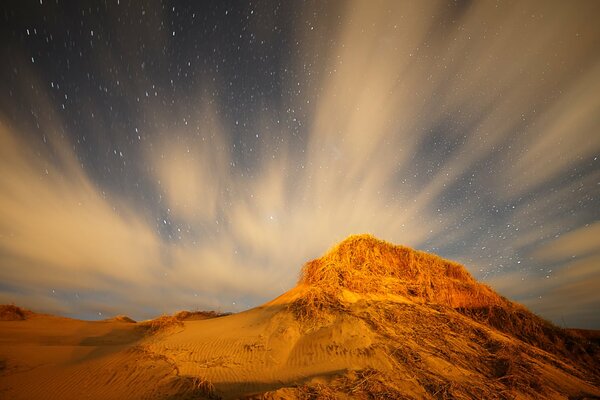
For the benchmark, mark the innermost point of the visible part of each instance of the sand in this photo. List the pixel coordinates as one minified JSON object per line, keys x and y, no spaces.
{"x":267,"y":350}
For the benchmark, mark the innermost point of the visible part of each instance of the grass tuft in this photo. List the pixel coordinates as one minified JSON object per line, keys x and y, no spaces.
{"x":160,"y":324}
{"x":365,"y":265}
{"x":198,"y":315}
{"x":10,"y":312}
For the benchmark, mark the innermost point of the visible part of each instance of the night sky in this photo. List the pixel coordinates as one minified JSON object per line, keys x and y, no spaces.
{"x":159,"y":156}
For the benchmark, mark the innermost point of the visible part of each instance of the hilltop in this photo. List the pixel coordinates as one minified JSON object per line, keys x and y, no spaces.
{"x":367,"y":320}
{"x":369,"y":267}
{"x":10,"y":312}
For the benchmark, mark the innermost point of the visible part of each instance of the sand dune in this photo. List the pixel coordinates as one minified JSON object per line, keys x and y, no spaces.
{"x":367,"y":320}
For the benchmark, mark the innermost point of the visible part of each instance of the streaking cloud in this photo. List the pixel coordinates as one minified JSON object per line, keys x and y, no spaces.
{"x":202,"y":168}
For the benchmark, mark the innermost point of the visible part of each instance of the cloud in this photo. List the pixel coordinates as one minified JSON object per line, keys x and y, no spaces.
{"x":60,"y":227}
{"x":191,"y":170}
{"x":578,"y":243}
{"x":568,"y":294}
{"x":465,"y":129}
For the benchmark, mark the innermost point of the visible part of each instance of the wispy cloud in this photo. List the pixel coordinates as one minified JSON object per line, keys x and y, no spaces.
{"x":58,"y":229}
{"x":465,"y":129}
{"x":567,"y":290}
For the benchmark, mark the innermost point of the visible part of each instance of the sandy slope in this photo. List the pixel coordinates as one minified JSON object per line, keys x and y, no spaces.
{"x":46,"y":357}
{"x":360,"y":343}
{"x":266,"y":349}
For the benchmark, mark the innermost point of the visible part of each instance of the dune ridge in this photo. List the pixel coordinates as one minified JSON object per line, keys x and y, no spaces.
{"x":365,"y":265}
{"x":11,"y":312}
{"x":368,"y":320}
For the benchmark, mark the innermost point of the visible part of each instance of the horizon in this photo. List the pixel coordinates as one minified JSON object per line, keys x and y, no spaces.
{"x":161,"y":157}
{"x":219,"y":313}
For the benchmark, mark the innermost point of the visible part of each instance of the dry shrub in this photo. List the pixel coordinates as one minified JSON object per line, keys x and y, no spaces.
{"x":406,"y":356}
{"x":441,"y":387}
{"x":193,"y":388}
{"x":362,"y":381}
{"x":369,"y":383}
{"x":10,"y":312}
{"x":591,"y":335}
{"x":436,"y":387}
{"x":316,"y":392}
{"x":180,"y":387}
{"x":359,"y":384}
{"x":160,"y":324}
{"x":518,"y":322}
{"x":415,"y":333}
{"x":198,"y":315}
{"x":121,"y":318}
{"x":511,"y":369}
{"x":391,"y":320}
{"x":204,"y":387}
{"x":315,"y":304}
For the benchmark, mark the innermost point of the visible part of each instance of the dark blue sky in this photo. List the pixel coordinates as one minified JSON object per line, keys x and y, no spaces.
{"x":160,"y":156}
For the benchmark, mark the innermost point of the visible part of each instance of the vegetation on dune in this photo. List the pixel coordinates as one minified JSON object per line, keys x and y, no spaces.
{"x":160,"y":324}
{"x":194,"y":388}
{"x":438,"y":352}
{"x":121,"y":318}
{"x":358,"y":384}
{"x":10,"y":312}
{"x":165,"y":322}
{"x":522,"y":324}
{"x":198,"y":315}
{"x":449,"y":316}
{"x":365,"y":265}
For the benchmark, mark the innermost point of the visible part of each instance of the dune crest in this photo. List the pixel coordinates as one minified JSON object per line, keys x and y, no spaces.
{"x":10,"y":312}
{"x":367,"y":320}
{"x":364,"y":265}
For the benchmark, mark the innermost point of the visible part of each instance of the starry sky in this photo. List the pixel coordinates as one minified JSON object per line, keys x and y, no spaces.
{"x":159,"y":156}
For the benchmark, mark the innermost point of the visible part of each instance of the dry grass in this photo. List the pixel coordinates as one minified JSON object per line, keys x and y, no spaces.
{"x":203,"y":387}
{"x":518,"y":322}
{"x":121,"y":318}
{"x":413,"y":335}
{"x":510,"y":367}
{"x":589,"y":334}
{"x":10,"y":312}
{"x":160,"y":324}
{"x":191,"y":388}
{"x":365,"y":383}
{"x":180,"y":387}
{"x":315,"y":304}
{"x":366,"y":265}
{"x":165,"y":322}
{"x":511,"y":382}
{"x":444,"y":344}
{"x":316,"y":392}
{"x":369,"y":383}
{"x":198,"y":315}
